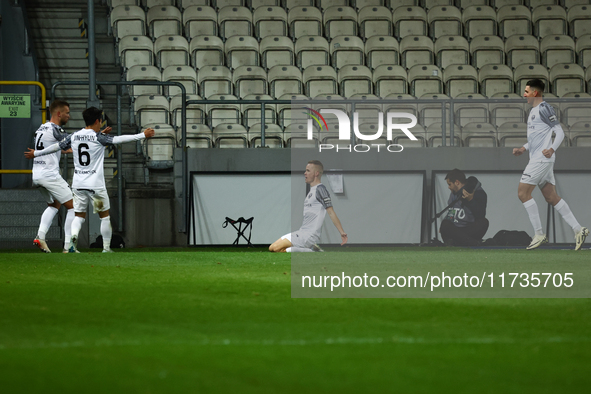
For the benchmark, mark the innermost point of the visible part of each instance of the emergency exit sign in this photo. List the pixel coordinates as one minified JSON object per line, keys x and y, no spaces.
{"x":15,"y":105}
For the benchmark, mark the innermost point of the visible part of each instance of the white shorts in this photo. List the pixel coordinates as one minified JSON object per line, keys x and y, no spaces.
{"x":539,"y":173}
{"x":54,"y":190}
{"x":99,"y":197}
{"x":301,"y":239}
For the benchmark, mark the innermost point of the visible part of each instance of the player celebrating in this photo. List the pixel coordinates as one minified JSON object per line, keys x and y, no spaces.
{"x":88,"y":146}
{"x":316,"y":205}
{"x":541,"y":123}
{"x":46,"y":174}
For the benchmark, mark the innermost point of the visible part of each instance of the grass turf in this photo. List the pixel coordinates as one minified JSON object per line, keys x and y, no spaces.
{"x":222,"y":320}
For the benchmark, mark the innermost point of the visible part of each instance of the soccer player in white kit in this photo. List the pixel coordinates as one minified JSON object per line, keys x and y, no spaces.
{"x":88,"y":146}
{"x":316,"y":205}
{"x":46,"y":174}
{"x":542,"y":121}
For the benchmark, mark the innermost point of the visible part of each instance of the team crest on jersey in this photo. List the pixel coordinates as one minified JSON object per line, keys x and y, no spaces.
{"x":533,"y":117}
{"x":310,"y":195}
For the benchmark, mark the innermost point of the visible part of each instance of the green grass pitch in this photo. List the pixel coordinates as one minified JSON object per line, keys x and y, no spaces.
{"x":223,"y":321}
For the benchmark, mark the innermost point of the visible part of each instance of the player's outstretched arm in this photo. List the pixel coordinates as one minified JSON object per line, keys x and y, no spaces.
{"x":519,"y":151}
{"x":122,"y":139}
{"x":31,"y":153}
{"x":337,"y":224}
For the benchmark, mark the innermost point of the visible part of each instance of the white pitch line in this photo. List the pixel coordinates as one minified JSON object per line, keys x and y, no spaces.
{"x":302,"y":342}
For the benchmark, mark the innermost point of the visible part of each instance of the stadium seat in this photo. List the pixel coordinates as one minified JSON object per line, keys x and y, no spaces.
{"x":568,"y":4}
{"x":254,"y":4}
{"x":144,"y":73}
{"x":136,"y":51}
{"x":374,"y":21}
{"x":579,"y":20}
{"x":320,"y":80}
{"x":479,"y":20}
{"x":128,"y":20}
{"x":429,"y":109}
{"x":214,"y":80}
{"x":194,"y":113}
{"x":241,"y":51}
{"x":198,"y":136}
{"x":331,"y":101}
{"x":367,"y":112}
{"x":460,"y":79}
{"x":304,"y":21}
{"x":159,"y":150}
{"x":249,"y":80}
{"x":293,"y":112}
{"x":381,"y":50}
{"x":273,"y":136}
{"x":219,"y":4}
{"x":588,"y":78}
{"x":514,"y":19}
{"x":393,"y":5}
{"x":151,"y":109}
{"x":567,"y":78}
{"x":476,"y":111}
{"x":164,"y":21}
{"x":323,"y":5}
{"x":251,"y":113}
{"x":295,"y":135}
{"x":533,"y":4}
{"x":184,"y":4}
{"x":339,"y":21}
{"x":574,"y":112}
{"x":270,"y":21}
{"x":289,"y":4}
{"x":495,"y":79}
{"x":354,"y":80}
{"x":512,"y":134}
{"x":171,"y":51}
{"x":311,"y":51}
{"x":200,"y":21}
{"x":444,"y":21}
{"x":416,"y":50}
{"x":435,"y":135}
{"x":185,"y":75}
{"x":409,"y":21}
{"x":497,"y":4}
{"x":390,"y":80}
{"x":583,"y":48}
{"x":522,"y":49}
{"x":234,"y":21}
{"x":479,"y":135}
{"x":230,"y":136}
{"x":359,"y":4}
{"x":549,"y":20}
{"x":557,"y":49}
{"x":154,"y":3}
{"x":487,"y":50}
{"x":285,"y":80}
{"x":225,"y":113}
{"x":420,"y":134}
{"x":277,"y":51}
{"x":390,"y":105}
{"x":428,"y":4}
{"x":525,"y":72}
{"x":451,"y":50}
{"x":464,"y":4}
{"x":510,"y":112}
{"x":346,"y":50}
{"x":117,"y":3}
{"x":580,"y":134}
{"x":206,"y":51}
{"x":425,"y":79}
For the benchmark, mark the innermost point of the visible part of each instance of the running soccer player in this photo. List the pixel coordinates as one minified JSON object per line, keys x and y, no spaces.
{"x":316,"y":205}
{"x":46,"y":174}
{"x":542,"y":122}
{"x":88,"y":146}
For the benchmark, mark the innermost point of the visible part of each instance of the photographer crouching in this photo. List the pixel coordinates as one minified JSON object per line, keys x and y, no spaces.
{"x":465,"y":223}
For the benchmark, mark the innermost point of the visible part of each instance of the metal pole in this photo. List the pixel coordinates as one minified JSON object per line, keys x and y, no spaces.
{"x":185,"y":166}
{"x":352,"y":131}
{"x":451,"y":123}
{"x":119,"y":164}
{"x":92,"y":99}
{"x":443,"y":118}
{"x":263,"y":142}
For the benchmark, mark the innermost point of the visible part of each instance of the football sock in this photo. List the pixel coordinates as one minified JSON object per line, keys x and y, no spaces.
{"x":106,"y":232}
{"x":534,"y":216}
{"x":295,"y":249}
{"x":564,"y":210}
{"x":68,"y":228}
{"x":77,"y":225}
{"x":46,"y":220}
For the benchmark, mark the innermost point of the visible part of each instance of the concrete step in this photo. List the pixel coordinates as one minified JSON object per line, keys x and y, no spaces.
{"x":9,"y":195}
{"x":23,"y":220}
{"x":56,"y":33}
{"x":27,"y":233}
{"x":23,"y":207}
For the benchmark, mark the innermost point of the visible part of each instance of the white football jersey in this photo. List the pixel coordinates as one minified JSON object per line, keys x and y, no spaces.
{"x":88,"y":148}
{"x":48,"y":166}
{"x":540,"y":122}
{"x":315,"y":204}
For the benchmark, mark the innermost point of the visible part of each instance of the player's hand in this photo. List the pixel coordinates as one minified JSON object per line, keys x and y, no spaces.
{"x":548,"y":152}
{"x":107,"y":130}
{"x":344,"y":238}
{"x":149,"y":133}
{"x":30,"y":153}
{"x":467,"y":196}
{"x":518,"y":151}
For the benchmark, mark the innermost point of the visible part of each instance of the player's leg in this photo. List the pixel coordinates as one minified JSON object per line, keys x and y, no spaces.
{"x":46,"y":219}
{"x":281,"y":244}
{"x":294,"y":249}
{"x":70,"y":214}
{"x":106,"y":230}
{"x":549,"y":192}
{"x":524,"y":192}
{"x":81,"y":199}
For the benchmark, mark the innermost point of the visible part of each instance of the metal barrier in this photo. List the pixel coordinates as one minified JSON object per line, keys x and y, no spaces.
{"x":43,"y":94}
